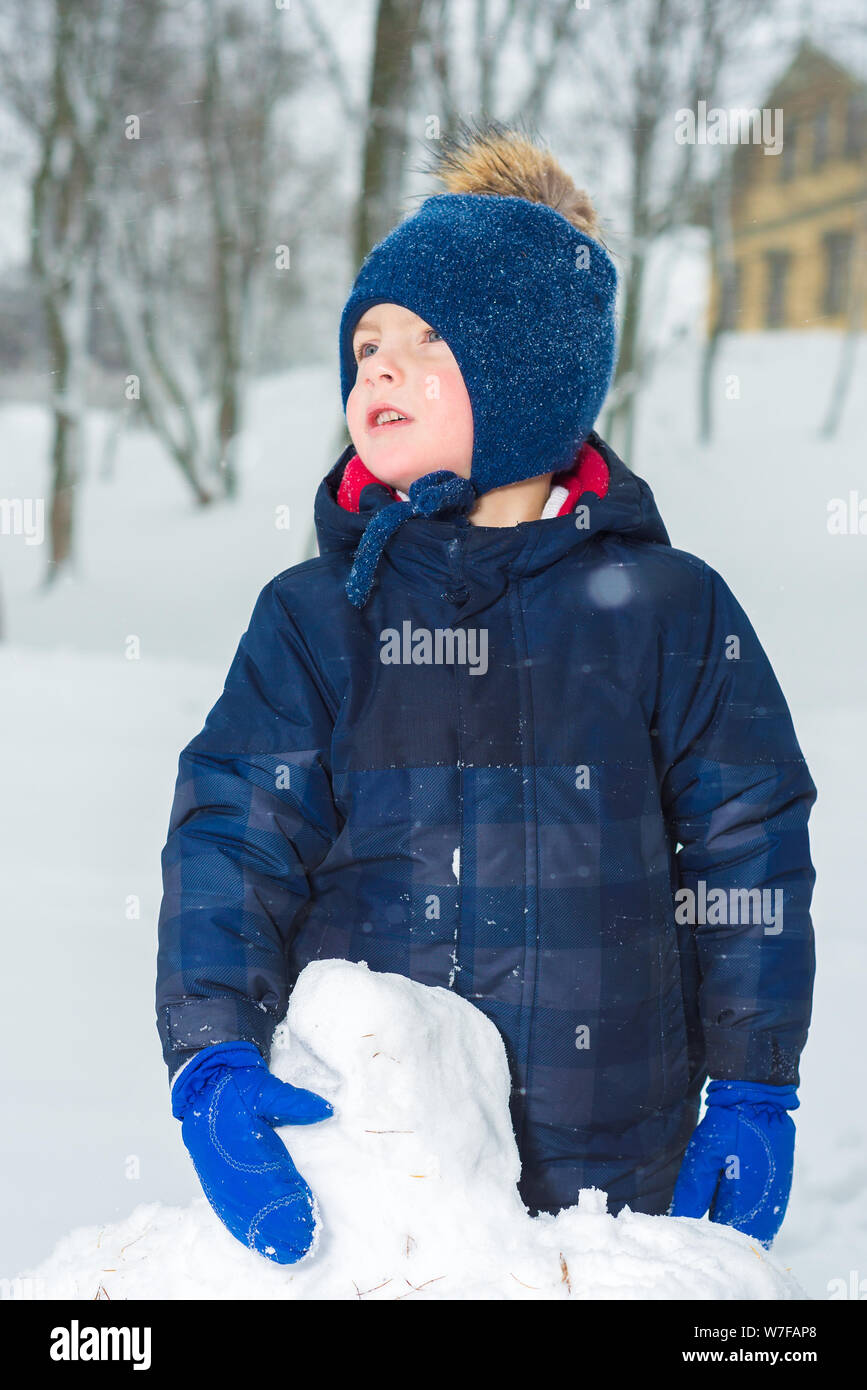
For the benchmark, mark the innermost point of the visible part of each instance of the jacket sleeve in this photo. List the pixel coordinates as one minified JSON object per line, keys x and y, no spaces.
{"x":253,"y":814}
{"x":737,"y":795}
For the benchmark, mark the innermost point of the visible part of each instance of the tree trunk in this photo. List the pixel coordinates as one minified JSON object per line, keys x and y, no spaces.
{"x":62,"y":260}
{"x":854,"y":329}
{"x":722,"y":257}
{"x":67,"y":319}
{"x":397,"y":22}
{"x":166,"y":405}
{"x":621,"y":420}
{"x":226,"y":263}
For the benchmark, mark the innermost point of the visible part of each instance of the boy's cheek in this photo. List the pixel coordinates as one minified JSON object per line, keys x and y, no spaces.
{"x":354,"y":418}
{"x":444,"y":427}
{"x":452,"y":420}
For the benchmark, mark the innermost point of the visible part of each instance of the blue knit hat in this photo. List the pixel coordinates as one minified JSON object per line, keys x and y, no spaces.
{"x":525,"y":301}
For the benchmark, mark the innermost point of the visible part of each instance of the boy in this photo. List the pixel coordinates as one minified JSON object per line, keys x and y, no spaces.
{"x":598,"y":836}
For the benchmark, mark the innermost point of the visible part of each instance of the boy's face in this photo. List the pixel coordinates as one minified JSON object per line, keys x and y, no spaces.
{"x":402,"y":362}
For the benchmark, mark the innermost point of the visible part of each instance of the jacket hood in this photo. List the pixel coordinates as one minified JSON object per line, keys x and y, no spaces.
{"x":431,"y":552}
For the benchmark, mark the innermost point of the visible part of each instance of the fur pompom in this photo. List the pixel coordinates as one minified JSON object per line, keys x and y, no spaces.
{"x":490,"y":157}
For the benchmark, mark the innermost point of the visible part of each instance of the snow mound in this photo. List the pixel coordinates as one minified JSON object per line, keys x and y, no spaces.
{"x":415,"y":1176}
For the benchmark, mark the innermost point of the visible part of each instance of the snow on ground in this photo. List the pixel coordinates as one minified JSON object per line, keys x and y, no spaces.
{"x":149,"y":561}
{"x":415,"y":1177}
{"x":90,"y":740}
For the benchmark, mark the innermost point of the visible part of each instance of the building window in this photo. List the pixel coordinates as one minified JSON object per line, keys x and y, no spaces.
{"x":856,"y":125}
{"x":789,"y":155}
{"x":775,"y":303}
{"x":820,"y":137}
{"x":838,"y":267}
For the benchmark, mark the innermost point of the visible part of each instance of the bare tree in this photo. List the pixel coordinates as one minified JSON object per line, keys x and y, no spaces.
{"x":189,"y":222}
{"x":714,"y":51}
{"x":384,"y":152}
{"x":848,"y":353}
{"x":436,"y":47}
{"x":62,"y":64}
{"x":666,"y":54}
{"x":722,"y":258}
{"x":539,"y":38}
{"x":561,"y":37}
{"x":154,"y":240}
{"x":851,"y":29}
{"x":650,"y":34}
{"x":168,"y":384}
{"x":246,"y":71}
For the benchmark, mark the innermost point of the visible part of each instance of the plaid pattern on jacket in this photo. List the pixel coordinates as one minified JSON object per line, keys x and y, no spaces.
{"x":517,"y":834}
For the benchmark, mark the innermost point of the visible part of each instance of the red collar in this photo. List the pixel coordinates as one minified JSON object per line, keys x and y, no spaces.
{"x":589,"y":473}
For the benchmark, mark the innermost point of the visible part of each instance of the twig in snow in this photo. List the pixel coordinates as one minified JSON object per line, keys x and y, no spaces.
{"x":565,"y":1272}
{"x":132,"y":1242}
{"x":521,"y":1282}
{"x":416,"y":1288}
{"x":373,"y":1290}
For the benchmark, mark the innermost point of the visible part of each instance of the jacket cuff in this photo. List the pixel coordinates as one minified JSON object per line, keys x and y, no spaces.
{"x":732,"y":1054}
{"x":190,"y":1025}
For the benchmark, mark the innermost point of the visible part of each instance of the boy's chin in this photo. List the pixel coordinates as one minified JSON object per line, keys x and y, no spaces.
{"x":404,"y":484}
{"x":399,"y":479}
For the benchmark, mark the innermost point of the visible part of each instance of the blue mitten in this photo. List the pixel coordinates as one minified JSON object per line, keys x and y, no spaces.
{"x":745,"y":1121}
{"x":228,"y":1101}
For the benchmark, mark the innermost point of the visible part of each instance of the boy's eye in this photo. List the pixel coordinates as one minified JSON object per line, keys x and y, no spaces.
{"x":359,"y":351}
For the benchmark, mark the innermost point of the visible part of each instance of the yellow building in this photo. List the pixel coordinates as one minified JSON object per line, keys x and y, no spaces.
{"x":797,"y":236}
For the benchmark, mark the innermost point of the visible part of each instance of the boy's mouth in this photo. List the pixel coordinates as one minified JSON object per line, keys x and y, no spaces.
{"x":384,"y":417}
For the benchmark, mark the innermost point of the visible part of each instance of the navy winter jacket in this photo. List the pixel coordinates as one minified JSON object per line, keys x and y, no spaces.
{"x":517,"y":834}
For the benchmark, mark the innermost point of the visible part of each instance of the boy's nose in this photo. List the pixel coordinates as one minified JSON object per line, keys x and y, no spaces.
{"x":382,"y":367}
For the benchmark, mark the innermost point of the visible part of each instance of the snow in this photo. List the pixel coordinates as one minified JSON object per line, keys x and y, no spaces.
{"x":90,"y":741}
{"x":150,"y":562}
{"x":415,"y":1180}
